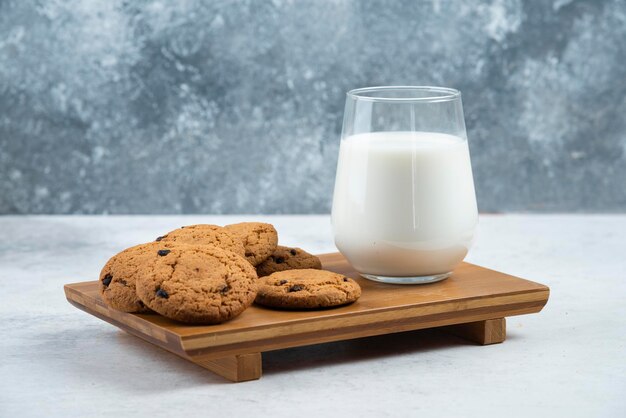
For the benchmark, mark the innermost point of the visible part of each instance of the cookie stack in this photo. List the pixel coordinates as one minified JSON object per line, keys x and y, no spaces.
{"x":208,"y":274}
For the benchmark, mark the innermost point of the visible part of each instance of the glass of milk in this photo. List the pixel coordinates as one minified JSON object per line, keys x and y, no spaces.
{"x":404,"y":207}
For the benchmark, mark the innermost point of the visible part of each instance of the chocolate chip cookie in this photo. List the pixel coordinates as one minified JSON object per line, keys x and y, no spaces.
{"x":288,"y":258}
{"x":197,"y":284}
{"x":307,"y":289}
{"x":259,"y":239}
{"x":203,"y":234}
{"x":119,"y":275}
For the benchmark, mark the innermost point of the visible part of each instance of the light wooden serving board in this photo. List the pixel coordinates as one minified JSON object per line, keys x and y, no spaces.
{"x":473,"y":303}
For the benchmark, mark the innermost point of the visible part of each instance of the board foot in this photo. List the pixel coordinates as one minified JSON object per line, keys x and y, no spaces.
{"x":491,"y":331}
{"x":237,"y":368}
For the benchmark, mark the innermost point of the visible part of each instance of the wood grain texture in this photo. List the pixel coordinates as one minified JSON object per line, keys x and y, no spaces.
{"x":471,"y":295}
{"x":237,"y":368}
{"x":491,"y":331}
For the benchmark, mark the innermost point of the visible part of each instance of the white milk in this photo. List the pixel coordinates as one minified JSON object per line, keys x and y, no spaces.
{"x":404,"y":202}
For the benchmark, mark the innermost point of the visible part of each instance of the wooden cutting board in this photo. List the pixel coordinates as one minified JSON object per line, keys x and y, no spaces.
{"x":473,"y":303}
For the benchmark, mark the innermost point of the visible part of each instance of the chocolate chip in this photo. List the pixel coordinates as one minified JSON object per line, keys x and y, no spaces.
{"x":296,"y":288}
{"x":224,"y":289}
{"x":249,"y":254}
{"x":161,"y":237}
{"x":282,"y":282}
{"x":107,"y":280}
{"x":345,"y":279}
{"x":279,"y":260}
{"x":293,"y":252}
{"x":163,"y":252}
{"x":162,"y":294}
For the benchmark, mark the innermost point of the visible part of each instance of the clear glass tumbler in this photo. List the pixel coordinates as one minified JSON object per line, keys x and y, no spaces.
{"x":404,"y":207}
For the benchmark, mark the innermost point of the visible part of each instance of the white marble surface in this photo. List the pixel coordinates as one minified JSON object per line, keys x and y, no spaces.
{"x":568,"y":360}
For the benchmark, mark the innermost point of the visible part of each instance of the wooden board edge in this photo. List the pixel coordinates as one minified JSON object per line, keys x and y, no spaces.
{"x":537,"y":302}
{"x":354,"y":332}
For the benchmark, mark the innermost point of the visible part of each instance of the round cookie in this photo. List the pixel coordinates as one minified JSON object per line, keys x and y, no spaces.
{"x":259,"y":239}
{"x":203,"y":234}
{"x":119,"y":275}
{"x":307,"y":289}
{"x":286,"y":258}
{"x":198,"y":284}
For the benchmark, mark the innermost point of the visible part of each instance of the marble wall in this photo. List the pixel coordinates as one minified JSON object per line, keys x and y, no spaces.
{"x":235,"y":106}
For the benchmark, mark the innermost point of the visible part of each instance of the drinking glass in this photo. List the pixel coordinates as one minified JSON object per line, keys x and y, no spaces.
{"x":404,"y":206}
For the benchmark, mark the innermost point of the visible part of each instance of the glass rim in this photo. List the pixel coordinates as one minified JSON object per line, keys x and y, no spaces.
{"x":437,"y":94}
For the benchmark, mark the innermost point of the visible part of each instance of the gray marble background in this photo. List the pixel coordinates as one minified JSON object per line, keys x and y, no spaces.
{"x":235,"y":106}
